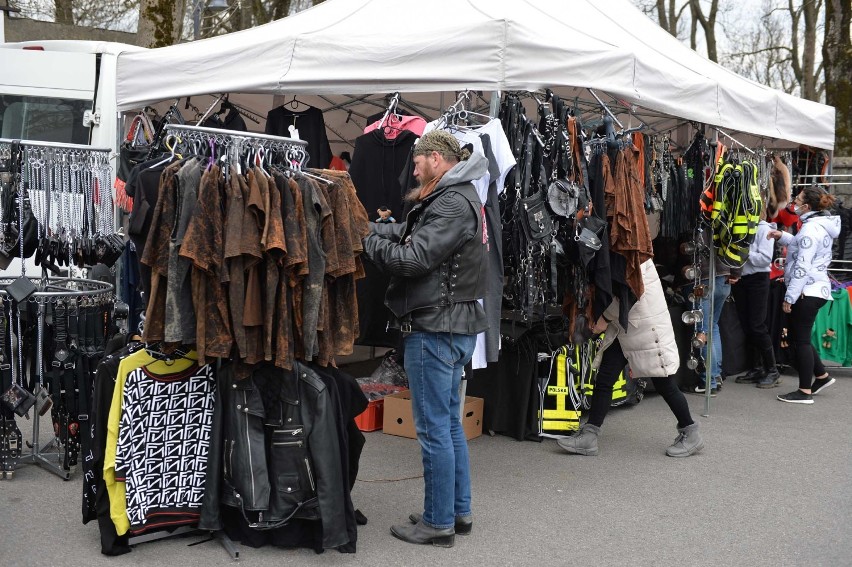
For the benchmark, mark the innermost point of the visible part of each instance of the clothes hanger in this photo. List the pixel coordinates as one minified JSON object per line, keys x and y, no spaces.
{"x":390,"y":111}
{"x":175,"y":141}
{"x":294,"y":103}
{"x":260,"y":160}
{"x":317,"y":177}
{"x":155,"y":352}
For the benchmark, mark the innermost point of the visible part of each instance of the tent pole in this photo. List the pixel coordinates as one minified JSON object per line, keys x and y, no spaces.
{"x":494,"y":106}
{"x":731,"y":138}
{"x":606,"y":108}
{"x":708,"y":326}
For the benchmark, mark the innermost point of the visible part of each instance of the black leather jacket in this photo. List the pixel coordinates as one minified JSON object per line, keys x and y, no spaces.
{"x":437,"y":257}
{"x":281,"y":456}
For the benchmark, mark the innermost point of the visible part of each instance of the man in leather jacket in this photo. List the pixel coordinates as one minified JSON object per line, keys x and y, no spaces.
{"x":437,"y":263}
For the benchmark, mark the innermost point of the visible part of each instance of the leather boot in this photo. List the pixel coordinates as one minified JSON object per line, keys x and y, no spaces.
{"x":753,"y":376}
{"x":770,"y":380}
{"x":464,"y":524}
{"x":422,"y":534}
{"x":585,"y":442}
{"x":688,"y":442}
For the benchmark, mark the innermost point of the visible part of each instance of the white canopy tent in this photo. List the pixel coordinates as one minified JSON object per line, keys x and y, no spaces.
{"x":341,"y":49}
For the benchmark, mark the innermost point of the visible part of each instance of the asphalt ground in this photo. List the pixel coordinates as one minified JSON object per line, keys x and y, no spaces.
{"x":772,"y":487}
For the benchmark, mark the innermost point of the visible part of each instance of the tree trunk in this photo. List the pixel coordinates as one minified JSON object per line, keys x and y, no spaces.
{"x":693,"y":33}
{"x":809,"y":90}
{"x":64,"y":13}
{"x":837,"y":62}
{"x":245,"y":18}
{"x":159,"y":22}
{"x":708,"y":25}
{"x":666,"y":16}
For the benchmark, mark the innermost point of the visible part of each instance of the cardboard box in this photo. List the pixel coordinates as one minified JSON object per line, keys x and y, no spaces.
{"x":398,"y":418}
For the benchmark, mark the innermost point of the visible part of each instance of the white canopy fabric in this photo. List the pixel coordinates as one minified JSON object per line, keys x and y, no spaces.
{"x":356,"y":47}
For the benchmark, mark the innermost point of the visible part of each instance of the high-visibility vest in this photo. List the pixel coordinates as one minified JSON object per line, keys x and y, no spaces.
{"x":563,"y":416}
{"x":708,"y":199}
{"x":739,"y":206}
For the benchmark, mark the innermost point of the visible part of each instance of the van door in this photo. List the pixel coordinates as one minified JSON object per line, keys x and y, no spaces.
{"x":43,"y":95}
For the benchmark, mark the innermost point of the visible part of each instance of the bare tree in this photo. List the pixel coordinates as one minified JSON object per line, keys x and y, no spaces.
{"x":708,"y":26}
{"x":245,"y":14}
{"x":763,"y":53}
{"x":804,"y":20}
{"x":63,"y":11}
{"x":837,"y":62}
{"x":667,"y":14}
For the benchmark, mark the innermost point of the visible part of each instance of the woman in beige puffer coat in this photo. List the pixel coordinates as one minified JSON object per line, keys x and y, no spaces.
{"x":648,"y":346}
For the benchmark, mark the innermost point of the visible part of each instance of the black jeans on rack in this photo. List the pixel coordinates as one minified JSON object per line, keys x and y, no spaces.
{"x":802,"y":317}
{"x":612,"y":364}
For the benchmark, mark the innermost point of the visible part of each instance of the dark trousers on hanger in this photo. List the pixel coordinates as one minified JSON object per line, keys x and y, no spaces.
{"x":802,"y":317}
{"x":612,"y":364}
{"x":751,"y":296}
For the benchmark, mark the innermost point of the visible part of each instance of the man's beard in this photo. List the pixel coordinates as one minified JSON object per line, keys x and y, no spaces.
{"x":413,"y":194}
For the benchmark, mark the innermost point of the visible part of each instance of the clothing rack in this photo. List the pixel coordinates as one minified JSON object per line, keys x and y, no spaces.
{"x":69,"y":190}
{"x":55,"y":145}
{"x":51,"y":290}
{"x":294,"y":150}
{"x":731,"y":138}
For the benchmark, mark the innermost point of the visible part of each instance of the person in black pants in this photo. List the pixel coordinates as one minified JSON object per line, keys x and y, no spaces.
{"x":612,"y":364}
{"x":808,"y":286}
{"x":751,"y":296}
{"x":647,"y":341}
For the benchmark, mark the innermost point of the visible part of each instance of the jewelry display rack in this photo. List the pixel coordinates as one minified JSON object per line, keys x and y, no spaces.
{"x":51,"y":290}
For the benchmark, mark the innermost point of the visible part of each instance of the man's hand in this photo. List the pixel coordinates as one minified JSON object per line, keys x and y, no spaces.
{"x":733,"y":279}
{"x":773,"y":235}
{"x":600,"y":326}
{"x":786,"y":307}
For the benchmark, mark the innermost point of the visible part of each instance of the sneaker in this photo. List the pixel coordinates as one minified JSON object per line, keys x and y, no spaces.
{"x":821,"y":384}
{"x":700,"y":389}
{"x":796,"y":397}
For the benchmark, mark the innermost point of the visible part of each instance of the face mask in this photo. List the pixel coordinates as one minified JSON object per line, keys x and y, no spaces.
{"x":797,"y":209}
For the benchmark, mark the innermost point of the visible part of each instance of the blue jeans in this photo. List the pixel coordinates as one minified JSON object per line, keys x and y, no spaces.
{"x":720,"y":293}
{"x":434,"y":363}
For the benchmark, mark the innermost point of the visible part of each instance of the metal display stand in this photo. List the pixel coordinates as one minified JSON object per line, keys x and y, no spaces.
{"x":77,"y":173}
{"x":51,"y":290}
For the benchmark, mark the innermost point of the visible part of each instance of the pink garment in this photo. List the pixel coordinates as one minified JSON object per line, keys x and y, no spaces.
{"x":393,"y":126}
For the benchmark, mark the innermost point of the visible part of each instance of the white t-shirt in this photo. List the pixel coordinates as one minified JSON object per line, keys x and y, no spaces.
{"x":501,"y":152}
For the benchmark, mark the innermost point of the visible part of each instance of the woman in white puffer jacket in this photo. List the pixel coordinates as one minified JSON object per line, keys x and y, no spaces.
{"x":808,"y":286}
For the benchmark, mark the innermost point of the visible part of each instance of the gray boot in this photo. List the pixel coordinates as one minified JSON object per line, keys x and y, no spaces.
{"x":688,"y":442}
{"x":585,"y":442}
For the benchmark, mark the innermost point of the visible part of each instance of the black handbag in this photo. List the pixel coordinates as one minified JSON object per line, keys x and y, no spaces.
{"x":535,"y":218}
{"x":590,"y":231}
{"x":562,"y":196}
{"x":30,"y":229}
{"x":18,"y":400}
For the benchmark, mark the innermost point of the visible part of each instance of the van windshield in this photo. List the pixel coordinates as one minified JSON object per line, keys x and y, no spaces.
{"x":43,"y":119}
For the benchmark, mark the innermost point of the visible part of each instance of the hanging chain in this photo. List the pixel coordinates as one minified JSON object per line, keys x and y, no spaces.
{"x":21,"y":230}
{"x":40,"y":344}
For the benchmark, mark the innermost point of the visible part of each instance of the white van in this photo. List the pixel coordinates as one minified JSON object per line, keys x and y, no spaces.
{"x":59,"y":91}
